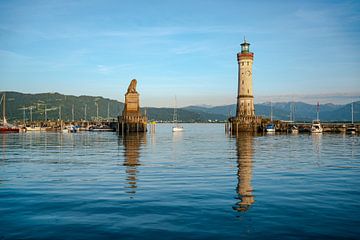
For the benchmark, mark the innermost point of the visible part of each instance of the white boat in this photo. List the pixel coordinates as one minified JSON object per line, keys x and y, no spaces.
{"x":34,"y":128}
{"x":351,"y":128}
{"x":270,"y":128}
{"x":177,"y":127}
{"x":316,"y":127}
{"x":69,"y":129}
{"x":100,"y":128}
{"x":294,"y":129}
{"x":5,"y":127}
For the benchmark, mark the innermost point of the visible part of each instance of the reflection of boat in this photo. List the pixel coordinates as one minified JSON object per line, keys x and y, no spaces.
{"x":177,"y":127}
{"x":316,"y":127}
{"x":6,"y":127}
{"x":270,"y":128}
{"x":294,"y":129}
{"x":100,"y":128}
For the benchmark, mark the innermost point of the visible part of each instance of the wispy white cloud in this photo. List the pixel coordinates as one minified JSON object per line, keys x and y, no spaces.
{"x":108,"y":69}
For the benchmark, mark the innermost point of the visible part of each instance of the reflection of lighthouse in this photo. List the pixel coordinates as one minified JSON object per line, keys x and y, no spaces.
{"x":132,"y":143}
{"x":244,"y":143}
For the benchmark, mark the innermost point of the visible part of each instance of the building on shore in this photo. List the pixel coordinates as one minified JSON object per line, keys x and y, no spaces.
{"x":132,"y":119}
{"x":245,"y":119}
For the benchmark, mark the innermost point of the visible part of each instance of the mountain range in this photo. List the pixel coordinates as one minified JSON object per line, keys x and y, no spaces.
{"x":58,"y":105}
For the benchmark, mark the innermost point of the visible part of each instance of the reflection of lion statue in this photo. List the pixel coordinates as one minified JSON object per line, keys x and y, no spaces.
{"x":132,"y":86}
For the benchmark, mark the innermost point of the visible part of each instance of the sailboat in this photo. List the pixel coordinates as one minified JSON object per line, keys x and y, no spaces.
{"x":270,"y":128}
{"x":6,"y":127}
{"x":316,"y":125}
{"x":176,"y":127}
{"x":294,"y":128}
{"x":351,"y":128}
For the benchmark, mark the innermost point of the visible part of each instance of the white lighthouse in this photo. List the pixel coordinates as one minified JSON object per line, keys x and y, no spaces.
{"x":245,"y":119}
{"x":245,"y":98}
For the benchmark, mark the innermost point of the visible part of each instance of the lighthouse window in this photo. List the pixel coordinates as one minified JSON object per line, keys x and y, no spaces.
{"x":242,"y":63}
{"x":248,"y":90}
{"x":242,"y":82}
{"x":248,"y":63}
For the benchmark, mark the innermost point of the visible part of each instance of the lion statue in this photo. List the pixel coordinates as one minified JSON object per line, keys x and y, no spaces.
{"x":132,"y":86}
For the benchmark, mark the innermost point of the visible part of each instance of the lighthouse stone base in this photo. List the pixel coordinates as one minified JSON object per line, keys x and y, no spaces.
{"x":245,"y":124}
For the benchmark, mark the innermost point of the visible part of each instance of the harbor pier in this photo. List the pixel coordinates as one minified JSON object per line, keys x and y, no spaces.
{"x":328,"y":127}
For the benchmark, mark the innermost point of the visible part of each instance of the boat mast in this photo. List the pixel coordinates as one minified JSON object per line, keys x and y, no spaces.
{"x":60,"y":112}
{"x":108,"y":112}
{"x":317,"y":111}
{"x":175,"y":113}
{"x":85,"y":112}
{"x":97,"y":111}
{"x":72,"y":112}
{"x":352,"y":112}
{"x":271,"y":113}
{"x":3,"y":98}
{"x":24,"y":114}
{"x":293,"y":112}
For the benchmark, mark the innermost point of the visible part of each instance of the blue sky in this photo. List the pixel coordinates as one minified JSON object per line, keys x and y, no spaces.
{"x":304,"y":50}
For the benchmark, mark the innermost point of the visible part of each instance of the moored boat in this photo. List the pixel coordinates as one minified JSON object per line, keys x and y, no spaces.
{"x":177,"y":127}
{"x":351,"y":129}
{"x":9,"y":129}
{"x":270,"y":128}
{"x":34,"y":128}
{"x":6,"y":127}
{"x":100,"y":128}
{"x":294,"y":129}
{"x":316,"y":127}
{"x":69,"y":129}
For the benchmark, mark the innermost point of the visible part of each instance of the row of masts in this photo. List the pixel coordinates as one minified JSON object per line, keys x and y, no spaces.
{"x":46,"y":110}
{"x":292,"y":112}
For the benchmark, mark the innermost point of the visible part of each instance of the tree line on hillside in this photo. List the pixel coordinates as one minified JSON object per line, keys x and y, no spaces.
{"x":55,"y":106}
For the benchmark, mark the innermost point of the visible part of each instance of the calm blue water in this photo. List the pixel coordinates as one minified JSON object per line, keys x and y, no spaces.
{"x":199,"y":184}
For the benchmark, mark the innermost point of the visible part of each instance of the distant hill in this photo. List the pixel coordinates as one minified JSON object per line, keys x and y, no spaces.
{"x":303,"y":111}
{"x":185,"y":115}
{"x":53,"y":101}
